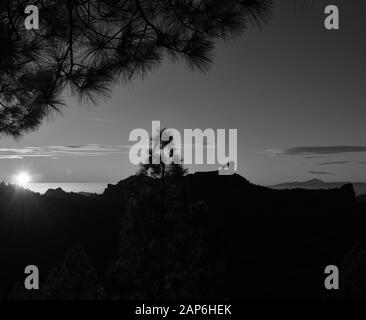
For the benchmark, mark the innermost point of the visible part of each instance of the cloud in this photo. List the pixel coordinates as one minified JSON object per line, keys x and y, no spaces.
{"x":88,"y":150}
{"x":315,"y":150}
{"x":332,"y":162}
{"x":55,"y":152}
{"x":315,"y":157}
{"x":10,"y":157}
{"x":104,"y":120}
{"x":320,"y":172}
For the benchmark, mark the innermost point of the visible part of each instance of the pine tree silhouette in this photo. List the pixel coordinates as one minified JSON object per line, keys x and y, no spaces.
{"x":88,"y":46}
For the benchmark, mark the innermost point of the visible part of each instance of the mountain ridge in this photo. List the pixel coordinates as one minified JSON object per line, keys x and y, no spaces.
{"x":244,"y":229}
{"x":360,"y":187}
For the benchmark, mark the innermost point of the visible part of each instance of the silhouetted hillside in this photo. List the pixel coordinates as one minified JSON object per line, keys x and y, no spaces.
{"x":237,"y":239}
{"x":41,"y":229}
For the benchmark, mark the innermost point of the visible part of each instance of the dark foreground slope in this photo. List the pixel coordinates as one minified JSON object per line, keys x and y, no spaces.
{"x":40,"y":230}
{"x":277,"y":243}
{"x":239,"y":240}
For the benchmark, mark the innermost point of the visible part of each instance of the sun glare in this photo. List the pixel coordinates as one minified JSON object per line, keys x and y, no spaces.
{"x":22,"y":179}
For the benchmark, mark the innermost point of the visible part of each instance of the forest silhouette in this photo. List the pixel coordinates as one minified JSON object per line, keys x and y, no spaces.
{"x":224,"y":238}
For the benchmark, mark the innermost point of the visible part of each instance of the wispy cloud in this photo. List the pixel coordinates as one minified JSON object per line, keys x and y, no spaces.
{"x":317,"y":150}
{"x":55,"y":152}
{"x":10,"y":157}
{"x":316,"y":157}
{"x":320,"y":172}
{"x":103,"y":120}
{"x":332,"y":163}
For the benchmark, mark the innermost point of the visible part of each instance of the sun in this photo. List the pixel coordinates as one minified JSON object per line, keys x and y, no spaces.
{"x":22,"y":179}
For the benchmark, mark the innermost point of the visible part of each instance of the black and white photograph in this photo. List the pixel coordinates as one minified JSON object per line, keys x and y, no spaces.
{"x":164,"y":151}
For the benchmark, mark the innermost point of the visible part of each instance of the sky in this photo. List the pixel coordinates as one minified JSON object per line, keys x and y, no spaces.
{"x":294,"y":91}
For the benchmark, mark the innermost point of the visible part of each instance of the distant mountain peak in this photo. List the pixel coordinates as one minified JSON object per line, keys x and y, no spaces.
{"x":55,"y":192}
{"x":315,"y":180}
{"x":311,"y":182}
{"x":359,"y":187}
